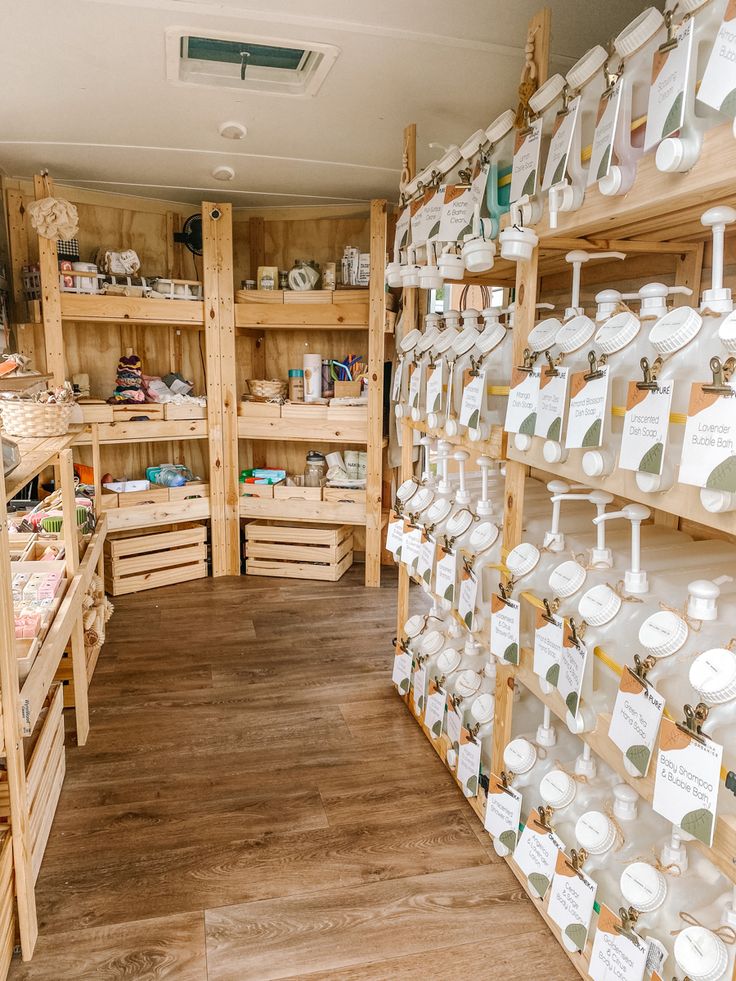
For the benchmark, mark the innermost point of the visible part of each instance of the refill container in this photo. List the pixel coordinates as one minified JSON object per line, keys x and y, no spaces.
{"x":462,"y":350}
{"x":500,"y":136}
{"x":546,"y":102}
{"x":493,"y":354}
{"x":635,"y":46}
{"x":312,"y":377}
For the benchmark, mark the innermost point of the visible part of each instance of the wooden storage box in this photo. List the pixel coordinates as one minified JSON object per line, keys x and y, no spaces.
{"x":137,"y":560}
{"x":298,"y":551}
{"x":343,"y":495}
{"x":96,"y":412}
{"x":286,"y":492}
{"x":259,"y":296}
{"x":187,"y":410}
{"x":154,"y":495}
{"x":260,"y":410}
{"x":304,"y":411}
{"x":308,"y":296}
{"x":347,"y":413}
{"x":257,"y":490}
{"x":190,"y":490}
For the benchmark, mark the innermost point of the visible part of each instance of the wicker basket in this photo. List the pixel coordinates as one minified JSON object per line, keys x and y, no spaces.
{"x":268,"y":388}
{"x":23,"y":418}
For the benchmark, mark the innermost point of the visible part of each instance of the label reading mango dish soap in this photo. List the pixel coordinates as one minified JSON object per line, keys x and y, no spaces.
{"x":552,"y":404}
{"x":571,"y":900}
{"x":646,"y":425}
{"x":616,"y":956}
{"x":560,"y":144}
{"x":587,"y":413}
{"x":670,"y":80}
{"x":718,"y":89}
{"x":709,"y":448}
{"x":503,"y":811}
{"x":521,"y":409}
{"x":525,"y":168}
{"x":637,"y":714}
{"x":601,"y":155}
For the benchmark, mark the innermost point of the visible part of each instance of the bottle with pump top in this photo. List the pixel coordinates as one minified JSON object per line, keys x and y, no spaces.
{"x":462,"y":352}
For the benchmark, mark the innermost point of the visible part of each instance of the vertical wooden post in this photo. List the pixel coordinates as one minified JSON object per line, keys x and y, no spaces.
{"x":217,"y":238}
{"x":15,"y":762}
{"x":376,"y":323}
{"x":689,"y":272}
{"x":257,"y":244}
{"x":541,"y":27}
{"x":97,"y":467}
{"x":50,"y":293}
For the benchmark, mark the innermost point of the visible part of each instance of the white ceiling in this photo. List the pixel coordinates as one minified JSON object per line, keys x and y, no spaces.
{"x":85,"y":91}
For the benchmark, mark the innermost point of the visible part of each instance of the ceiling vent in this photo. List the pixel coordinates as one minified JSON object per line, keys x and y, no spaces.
{"x":255,"y":64}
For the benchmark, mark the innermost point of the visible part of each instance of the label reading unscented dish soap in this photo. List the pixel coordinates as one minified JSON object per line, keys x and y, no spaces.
{"x":560,"y":144}
{"x":548,"y":641}
{"x":588,"y":402}
{"x":525,"y":168}
{"x":505,"y":629}
{"x":616,"y":956}
{"x":571,"y":901}
{"x":646,"y":425}
{"x":637,"y":714}
{"x":718,"y":88}
{"x":536,"y":854}
{"x":710,"y":440}
{"x":670,"y":80}
{"x":552,"y":403}
{"x":521,"y":409}
{"x":503,"y":811}
{"x":605,"y":130}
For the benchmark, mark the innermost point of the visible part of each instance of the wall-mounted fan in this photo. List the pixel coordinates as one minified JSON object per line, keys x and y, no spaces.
{"x":191,"y":234}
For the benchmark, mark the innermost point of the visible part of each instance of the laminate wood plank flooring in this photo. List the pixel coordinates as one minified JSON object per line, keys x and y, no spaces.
{"x":255,"y":803}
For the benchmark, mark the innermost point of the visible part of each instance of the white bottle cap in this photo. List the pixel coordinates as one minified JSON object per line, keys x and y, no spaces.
{"x":717,"y":501}
{"x":522,"y":442}
{"x":459,"y":524}
{"x":483,"y":708}
{"x":586,"y":766}
{"x":406,"y":490}
{"x":599,"y":605}
{"x":414,"y":626}
{"x":547,"y":94}
{"x":467,"y":683}
{"x":452,"y":319}
{"x":625,"y":802}
{"x":490,"y":338}
{"x":543,"y":335}
{"x":575,"y":333}
{"x":713,"y":675}
{"x":449,"y":661}
{"x":700,"y":954}
{"x":465,"y":340}
{"x":567,"y":578}
{"x":431,"y":643}
{"x":546,"y":735}
{"x":727,"y":333}
{"x":500,"y":126}
{"x":438,"y":511}
{"x":552,"y":451}
{"x":663,"y":633}
{"x":587,"y":67}
{"x":451,"y":758}
{"x":717,"y":299}
{"x":444,"y":340}
{"x":427,"y":340}
{"x":422,"y":499}
{"x":522,"y":559}
{"x":703,"y":599}
{"x":410,"y":340}
{"x":595,"y":832}
{"x":483,"y":536}
{"x":676,"y":329}
{"x":643,"y":887}
{"x":617,"y":332}
{"x":557,"y":789}
{"x":520,"y":756}
{"x":638,"y":32}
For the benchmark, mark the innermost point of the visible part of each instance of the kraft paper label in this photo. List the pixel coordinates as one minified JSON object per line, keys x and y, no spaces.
{"x":395,"y":534}
{"x":573,"y":662}
{"x":425,"y":560}
{"x":646,"y":427}
{"x":505,"y":629}
{"x":521,"y":408}
{"x":467,"y":597}
{"x":458,"y":204}
{"x":670,"y":80}
{"x":434,"y":713}
{"x":560,"y":145}
{"x":416,"y":376}
{"x":418,"y":688}
{"x":571,"y":900}
{"x":435,"y":386}
{"x":454,"y":723}
{"x":710,"y":437}
{"x":616,"y":957}
{"x":587,"y":413}
{"x":401,"y":235}
{"x":410,"y":546}
{"x":637,"y":714}
{"x":503,"y":812}
{"x":445,"y":574}
{"x":525,"y":168}
{"x":473,"y":401}
{"x":425,"y":215}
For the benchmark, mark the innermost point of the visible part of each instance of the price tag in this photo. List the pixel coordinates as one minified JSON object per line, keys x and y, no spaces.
{"x":521,"y":408}
{"x":605,"y":131}
{"x":616,"y":956}
{"x":395,"y":534}
{"x":560,"y":144}
{"x":418,"y":688}
{"x":416,"y":374}
{"x":505,"y":629}
{"x":571,"y":900}
{"x":410,"y":546}
{"x":468,"y":763}
{"x":503,"y":812}
{"x":435,"y":386}
{"x":637,"y":714}
{"x":646,"y":426}
{"x":425,"y":561}
{"x":458,"y":204}
{"x":552,"y":404}
{"x":572,"y":669}
{"x":670,"y":81}
{"x":473,"y":401}
{"x":454,"y":722}
{"x":525,"y":168}
{"x":401,"y":675}
{"x":434,"y":714}
{"x":467,"y":597}
{"x":586,"y":417}
{"x":686,"y":781}
{"x":717,"y":88}
{"x":708,"y":449}
{"x":548,"y":647}
{"x":445,"y":574}
{"x":536,"y":854}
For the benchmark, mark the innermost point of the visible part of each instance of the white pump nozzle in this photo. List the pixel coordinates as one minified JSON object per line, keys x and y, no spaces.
{"x":554,"y":540}
{"x":717,"y":297}
{"x":546,"y":733}
{"x":600,"y":554}
{"x":576,"y":258}
{"x":443,"y":455}
{"x":484,"y":507}
{"x":463,"y":494}
{"x":635,"y":579}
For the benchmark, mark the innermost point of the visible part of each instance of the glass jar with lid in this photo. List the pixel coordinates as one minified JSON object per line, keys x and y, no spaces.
{"x":315,"y":469}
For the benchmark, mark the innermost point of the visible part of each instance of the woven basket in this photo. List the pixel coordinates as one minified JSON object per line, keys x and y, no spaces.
{"x":268,"y":388}
{"x":23,"y":418}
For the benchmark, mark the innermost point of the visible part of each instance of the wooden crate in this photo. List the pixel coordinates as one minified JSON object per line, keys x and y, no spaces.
{"x":96,"y":412}
{"x":124,"y":413}
{"x":259,"y":410}
{"x":344,"y":495}
{"x":298,"y":551}
{"x":138,"y":560}
{"x":187,"y":410}
{"x":291,"y":492}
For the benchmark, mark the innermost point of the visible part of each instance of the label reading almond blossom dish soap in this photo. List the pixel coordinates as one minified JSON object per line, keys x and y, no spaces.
{"x":560,"y":144}
{"x":525,"y":167}
{"x":637,"y":714}
{"x":552,"y":404}
{"x":505,"y":629}
{"x":601,"y":155}
{"x":503,"y":812}
{"x":670,"y":80}
{"x":459,"y":203}
{"x":646,"y":425}
{"x":536,"y":854}
{"x":718,"y":88}
{"x":571,"y":901}
{"x":616,"y":956}
{"x":709,"y":447}
{"x":521,"y":408}
{"x":587,"y":413}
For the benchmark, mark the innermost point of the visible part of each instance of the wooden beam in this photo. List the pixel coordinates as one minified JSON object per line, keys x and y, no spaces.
{"x":257,"y":243}
{"x":50,"y":292}
{"x":541,"y":26}
{"x":689,"y":272}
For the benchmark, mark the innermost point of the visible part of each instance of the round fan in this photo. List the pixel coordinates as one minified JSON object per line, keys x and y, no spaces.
{"x":191,"y":234}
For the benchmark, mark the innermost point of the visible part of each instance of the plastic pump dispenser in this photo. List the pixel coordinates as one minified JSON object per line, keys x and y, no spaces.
{"x":554,"y":540}
{"x":635,"y":578}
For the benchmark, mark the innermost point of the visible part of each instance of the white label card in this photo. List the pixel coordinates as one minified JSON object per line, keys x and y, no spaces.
{"x":401,"y":675}
{"x":718,"y":88}
{"x":458,"y":204}
{"x":467,"y":597}
{"x":616,"y":957}
{"x":401,"y":236}
{"x":572,"y":670}
{"x":425,"y":215}
{"x":416,"y":375}
{"x":710,"y":440}
{"x":434,"y":714}
{"x":548,"y":647}
{"x":425,"y":561}
{"x":605,"y":131}
{"x":670,"y":79}
{"x":468,"y":763}
{"x":505,"y":629}
{"x":536,"y":854}
{"x":587,"y":414}
{"x":473,"y":402}
{"x":418,"y":689}
{"x":686,"y":781}
{"x":410,"y":546}
{"x":503,"y":812}
{"x":521,"y":409}
{"x":646,"y":426}
{"x":552,"y":404}
{"x":445,"y":574}
{"x":637,"y":714}
{"x":398,"y":373}
{"x":436,"y":386}
{"x":394,"y":534}
{"x":454,"y":723}
{"x":571,"y":900}
{"x":525,"y":169}
{"x":560,"y":144}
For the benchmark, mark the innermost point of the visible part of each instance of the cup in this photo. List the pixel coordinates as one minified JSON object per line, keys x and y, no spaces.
{"x":312,"y":377}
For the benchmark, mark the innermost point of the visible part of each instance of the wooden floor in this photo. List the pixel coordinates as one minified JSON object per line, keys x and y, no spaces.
{"x":255,"y":803}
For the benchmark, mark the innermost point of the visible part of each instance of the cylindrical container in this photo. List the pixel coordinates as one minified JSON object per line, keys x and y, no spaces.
{"x":283,"y":279}
{"x":248,"y":284}
{"x":352,"y":464}
{"x":312,"y":377}
{"x":296,"y":385}
{"x":335,"y":460}
{"x":315,"y":469}
{"x":328,"y":385}
{"x":329,"y":276}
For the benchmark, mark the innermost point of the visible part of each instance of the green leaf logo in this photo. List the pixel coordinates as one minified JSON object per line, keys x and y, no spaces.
{"x":437,"y":729}
{"x":404,"y":686}
{"x":539,"y":883}
{"x":511,"y":654}
{"x":553,"y":675}
{"x":603,"y":165}
{"x":530,"y":184}
{"x":449,"y":592}
{"x":723,"y":477}
{"x":593,"y":435}
{"x":508,"y":839}
{"x":674,"y":117}
{"x":638,"y":756}
{"x":572,"y":703}
{"x":555,"y":429}
{"x":473,"y":421}
{"x":468,"y":619}
{"x":651,"y":462}
{"x":578,"y":934}
{"x":699,"y":823}
{"x":560,"y":171}
{"x":472,"y":785}
{"x":435,"y":230}
{"x":437,"y":404}
{"x":529,"y":424}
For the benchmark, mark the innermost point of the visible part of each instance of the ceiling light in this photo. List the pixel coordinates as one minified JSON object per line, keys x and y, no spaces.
{"x":232,"y":131}
{"x":223,"y":173}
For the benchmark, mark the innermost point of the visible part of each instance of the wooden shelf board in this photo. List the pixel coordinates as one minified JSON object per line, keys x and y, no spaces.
{"x":101,"y":309}
{"x":153,"y":431}
{"x":319,"y":512}
{"x":302,"y":316}
{"x":293,"y":429}
{"x":152,"y":515}
{"x":37,"y":453}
